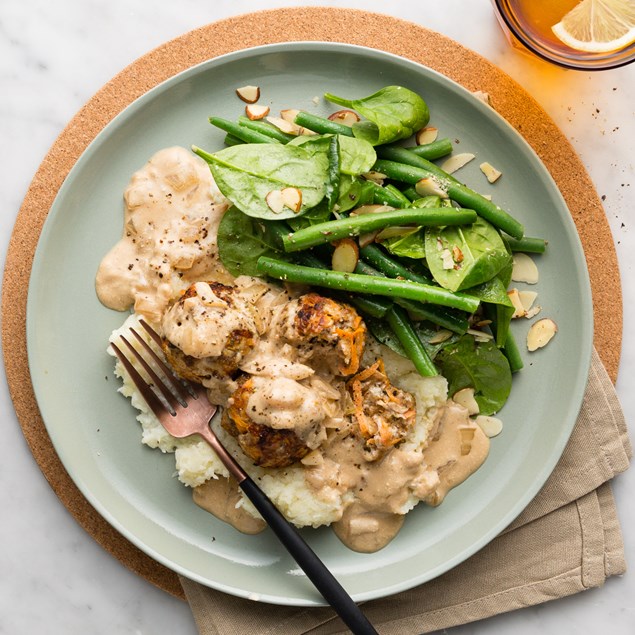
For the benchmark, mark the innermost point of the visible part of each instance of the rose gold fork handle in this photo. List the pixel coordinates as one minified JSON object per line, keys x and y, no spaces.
{"x":226,"y":458}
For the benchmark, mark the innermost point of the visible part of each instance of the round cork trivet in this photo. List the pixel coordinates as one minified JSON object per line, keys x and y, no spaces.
{"x":267,"y":27}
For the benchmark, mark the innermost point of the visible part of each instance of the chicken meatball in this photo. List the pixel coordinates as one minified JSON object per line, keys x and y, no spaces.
{"x":207,"y":332}
{"x":325,"y":331}
{"x":275,"y":421}
{"x":384,"y":414}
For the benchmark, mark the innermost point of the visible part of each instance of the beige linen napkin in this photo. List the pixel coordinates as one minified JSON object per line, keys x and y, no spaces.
{"x":567,"y":540}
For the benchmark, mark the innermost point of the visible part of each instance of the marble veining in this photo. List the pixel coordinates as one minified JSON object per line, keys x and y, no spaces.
{"x":53,"y":57}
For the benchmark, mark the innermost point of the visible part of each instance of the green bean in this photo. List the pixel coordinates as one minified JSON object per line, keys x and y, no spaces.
{"x":434,"y":150}
{"x":231,"y":140}
{"x":388,"y":195}
{"x":265,"y":128}
{"x":384,"y":263}
{"x":245,"y":134}
{"x":403,"y":165}
{"x":370,"y":285}
{"x":512,"y":353}
{"x":321,"y":125}
{"x":411,"y":194}
{"x":332,"y":185}
{"x":354,"y":226}
{"x":527,"y":244}
{"x":400,"y":324}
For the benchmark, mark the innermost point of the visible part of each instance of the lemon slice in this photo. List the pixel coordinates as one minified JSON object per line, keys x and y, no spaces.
{"x":598,"y":26}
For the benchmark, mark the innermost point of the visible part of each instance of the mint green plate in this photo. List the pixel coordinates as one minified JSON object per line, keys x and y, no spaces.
{"x":93,"y":428}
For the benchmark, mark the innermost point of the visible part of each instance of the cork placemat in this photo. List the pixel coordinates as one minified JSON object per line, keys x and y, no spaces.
{"x":266,"y":27}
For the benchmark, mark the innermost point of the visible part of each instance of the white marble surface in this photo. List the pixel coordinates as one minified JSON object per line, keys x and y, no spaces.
{"x":53,"y":56}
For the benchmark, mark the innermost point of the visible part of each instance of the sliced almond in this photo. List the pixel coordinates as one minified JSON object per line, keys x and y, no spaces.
{"x":527,"y":299}
{"x":394,"y":232}
{"x":345,"y":117}
{"x":366,"y":239}
{"x":447,"y":260}
{"x":313,"y":459}
{"x":285,"y":126}
{"x":292,"y":198}
{"x":524,"y":269}
{"x":519,"y":309}
{"x":541,"y":333}
{"x":289,"y":114}
{"x":256,"y":111}
{"x":345,"y":256}
{"x":249,"y":94}
{"x":376,"y":177}
{"x":480,"y":336}
{"x":440,"y":336}
{"x":429,"y":186}
{"x":465,"y":398}
{"x":426,"y":135}
{"x":490,"y":172}
{"x":456,"y":162}
{"x":533,"y":312}
{"x":370,"y":209}
{"x":457,"y":254}
{"x":275,"y":201}
{"x":491,"y":426}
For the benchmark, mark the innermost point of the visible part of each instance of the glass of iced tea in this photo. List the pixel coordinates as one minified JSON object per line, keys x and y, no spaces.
{"x":579,"y":34}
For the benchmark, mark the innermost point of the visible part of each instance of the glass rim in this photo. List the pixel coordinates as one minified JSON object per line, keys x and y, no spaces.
{"x":594,"y":61}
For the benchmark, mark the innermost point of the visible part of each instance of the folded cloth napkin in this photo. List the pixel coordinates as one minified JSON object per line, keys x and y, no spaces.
{"x":567,"y":540}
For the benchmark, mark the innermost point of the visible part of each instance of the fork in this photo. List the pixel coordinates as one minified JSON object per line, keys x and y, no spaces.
{"x":183,"y":409}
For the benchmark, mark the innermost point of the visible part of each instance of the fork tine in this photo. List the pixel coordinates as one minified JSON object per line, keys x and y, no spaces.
{"x":179,"y":390}
{"x":147,"y":393}
{"x":159,"y":384}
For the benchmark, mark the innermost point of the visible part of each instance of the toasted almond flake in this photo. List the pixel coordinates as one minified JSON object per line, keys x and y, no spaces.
{"x":275,"y":201}
{"x":533,"y":312}
{"x":316,"y":100}
{"x":524,"y":269}
{"x":345,"y":256}
{"x":345,"y":117}
{"x":285,"y":126}
{"x":256,"y":111}
{"x":440,"y":336}
{"x":465,"y":398}
{"x":456,"y":162}
{"x":371,"y":209}
{"x":426,"y":135}
{"x":366,"y":239}
{"x":480,"y":336}
{"x":430,"y":186}
{"x":491,"y":426}
{"x":482,"y":96}
{"x":289,"y":114}
{"x":292,"y":198}
{"x":446,"y":257}
{"x":491,"y":173}
{"x":541,"y":333}
{"x":457,"y":254}
{"x":527,"y":299}
{"x":393,"y":232}
{"x":519,"y":309}
{"x":249,"y":94}
{"x":376,"y":177}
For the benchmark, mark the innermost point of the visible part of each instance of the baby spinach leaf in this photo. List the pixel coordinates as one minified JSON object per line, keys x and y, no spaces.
{"x":356,"y":155}
{"x":242,"y":240}
{"x":318,"y":214}
{"x":476,"y":253}
{"x":468,"y":364}
{"x":392,"y":113}
{"x":412,"y":244}
{"x":246,"y":173}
